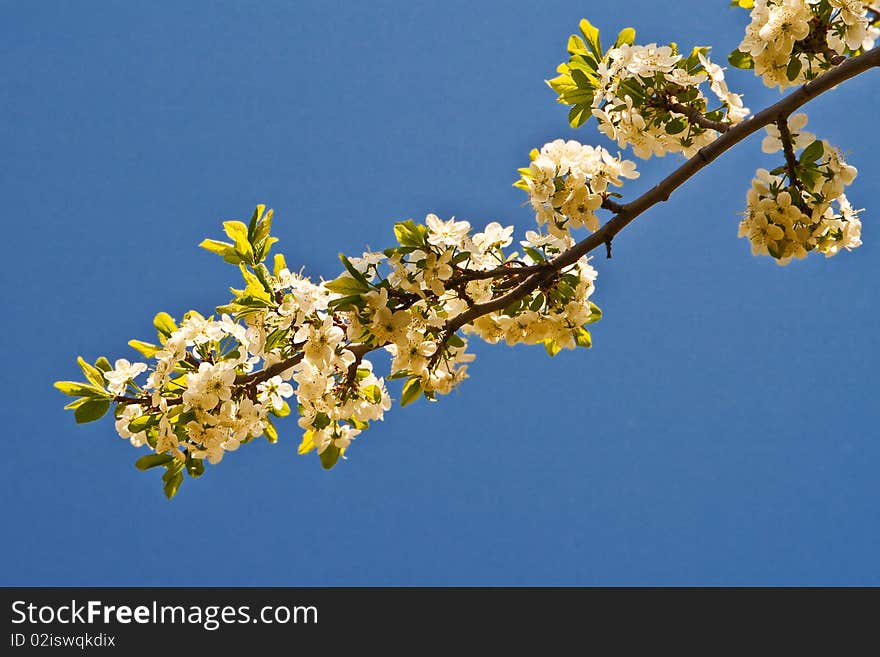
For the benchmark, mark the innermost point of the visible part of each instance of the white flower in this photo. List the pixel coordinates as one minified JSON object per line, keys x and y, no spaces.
{"x":274,"y":391}
{"x":121,"y":374}
{"x":208,"y":386}
{"x":495,"y":235}
{"x":446,"y":233}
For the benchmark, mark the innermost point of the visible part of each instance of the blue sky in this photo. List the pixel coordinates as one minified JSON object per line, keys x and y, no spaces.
{"x":722,"y":430}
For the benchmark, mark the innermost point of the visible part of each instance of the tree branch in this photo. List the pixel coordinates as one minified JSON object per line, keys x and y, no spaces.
{"x":788,"y":149}
{"x":499,"y":272}
{"x":542,"y":273}
{"x":696,"y":117}
{"x":661,"y":192}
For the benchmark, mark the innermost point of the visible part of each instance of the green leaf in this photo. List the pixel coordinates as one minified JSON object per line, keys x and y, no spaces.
{"x":513,"y":308}
{"x":76,"y":403}
{"x":330,"y":456}
{"x":534,"y":254}
{"x":238,"y":233}
{"x":142,"y":422}
{"x":92,"y":410}
{"x":264,"y":276}
{"x":347,"y":286}
{"x":278,"y":264}
{"x":675,"y":126}
{"x":307,"y":444}
{"x":195,"y":468}
{"x":165,"y":325}
{"x":741,"y":59}
{"x":579,"y":114}
{"x":408,"y":234}
{"x":793,"y":69}
{"x":103,"y":364}
{"x":813,"y":152}
{"x":270,"y":432}
{"x":411,"y":391}
{"x":93,"y":374}
{"x":627,"y":36}
{"x":75,"y":389}
{"x":172,"y":478}
{"x":455,"y":341}
{"x":259,"y":236}
{"x":284,"y":411}
{"x":358,"y":276}
{"x":582,"y":337}
{"x":591,"y":35}
{"x":562,"y":84}
{"x":373,"y":393}
{"x":254,"y":222}
{"x":152,"y":461}
{"x":576,"y":45}
{"x":145,"y":348}
{"x":552,"y":347}
{"x":224,"y":249}
{"x":344,"y":302}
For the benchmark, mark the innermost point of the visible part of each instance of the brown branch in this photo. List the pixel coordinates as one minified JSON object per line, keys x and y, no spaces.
{"x":146,"y":401}
{"x":122,"y":399}
{"x":500,"y":272}
{"x":788,"y":148}
{"x":696,"y":117}
{"x":614,"y":206}
{"x":832,"y":57}
{"x":359,"y":350}
{"x":542,"y":273}
{"x":661,"y":192}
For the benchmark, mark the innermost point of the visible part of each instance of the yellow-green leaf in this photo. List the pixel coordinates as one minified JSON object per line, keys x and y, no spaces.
{"x":552,"y":347}
{"x":307,"y":444}
{"x":93,"y":374}
{"x":411,"y":391}
{"x":627,"y":36}
{"x":238,"y":233}
{"x":591,"y":35}
{"x":279,"y":264}
{"x":216,"y":246}
{"x":165,"y":325}
{"x":145,"y":348}
{"x":576,"y":45}
{"x":346,"y":285}
{"x":270,"y":432}
{"x":76,"y":389}
{"x":373,"y":393}
{"x":582,"y":337}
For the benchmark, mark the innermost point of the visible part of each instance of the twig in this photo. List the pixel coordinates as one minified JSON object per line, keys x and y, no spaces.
{"x":661,"y":192}
{"x":788,"y":148}
{"x":696,"y":117}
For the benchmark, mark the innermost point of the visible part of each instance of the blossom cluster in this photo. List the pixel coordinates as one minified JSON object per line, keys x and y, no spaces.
{"x":789,"y":42}
{"x":215,"y":383}
{"x":801,"y":206}
{"x":648,"y":97}
{"x":568,"y":181}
